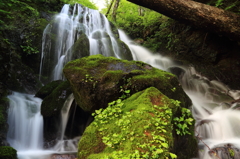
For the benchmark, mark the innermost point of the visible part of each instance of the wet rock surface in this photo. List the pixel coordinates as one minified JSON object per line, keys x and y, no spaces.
{"x":227,"y":151}
{"x":63,"y":156}
{"x":97,"y":80}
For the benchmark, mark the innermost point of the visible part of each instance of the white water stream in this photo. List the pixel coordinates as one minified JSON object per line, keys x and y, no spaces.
{"x":216,"y":118}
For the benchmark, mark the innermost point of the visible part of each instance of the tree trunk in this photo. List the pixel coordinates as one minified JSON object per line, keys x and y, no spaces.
{"x":200,"y":15}
{"x":109,"y":8}
{"x":114,"y":13}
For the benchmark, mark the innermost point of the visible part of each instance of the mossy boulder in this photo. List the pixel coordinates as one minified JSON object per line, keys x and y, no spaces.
{"x":52,"y":104}
{"x":54,"y":95}
{"x":97,"y":80}
{"x":81,"y":47}
{"x":138,"y":127}
{"x":7,"y":152}
{"x":125,"y":51}
{"x":48,"y":89}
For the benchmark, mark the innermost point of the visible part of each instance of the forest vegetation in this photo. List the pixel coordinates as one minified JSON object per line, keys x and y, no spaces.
{"x":22,"y":23}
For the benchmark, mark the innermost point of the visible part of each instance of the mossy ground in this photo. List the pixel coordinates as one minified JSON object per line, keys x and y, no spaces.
{"x":138,"y":127}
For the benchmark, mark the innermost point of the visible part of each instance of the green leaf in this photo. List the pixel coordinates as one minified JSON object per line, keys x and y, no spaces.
{"x":127,"y":91}
{"x":173,"y":155}
{"x":159,"y":151}
{"x":164,"y":145}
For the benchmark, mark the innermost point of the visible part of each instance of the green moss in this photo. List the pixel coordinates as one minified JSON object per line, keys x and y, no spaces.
{"x":48,"y":89}
{"x":90,"y":143}
{"x":7,"y":152}
{"x":53,"y":103}
{"x":231,"y":152}
{"x":139,"y":126}
{"x":112,"y":77}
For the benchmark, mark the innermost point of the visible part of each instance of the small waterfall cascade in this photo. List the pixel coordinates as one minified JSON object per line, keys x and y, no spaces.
{"x":216,"y":110}
{"x":141,"y":53}
{"x":215,"y":106}
{"x":69,"y":145}
{"x":76,"y":32}
{"x":26,"y":122}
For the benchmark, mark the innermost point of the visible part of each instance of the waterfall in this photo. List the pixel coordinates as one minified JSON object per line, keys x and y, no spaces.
{"x":216,"y":117}
{"x":216,"y":113}
{"x":77,"y":32}
{"x":25,"y":122}
{"x":141,"y":53}
{"x":26,"y":130}
{"x":69,"y":145}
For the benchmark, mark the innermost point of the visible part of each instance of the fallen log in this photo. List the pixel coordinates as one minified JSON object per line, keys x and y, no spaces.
{"x":197,"y":14}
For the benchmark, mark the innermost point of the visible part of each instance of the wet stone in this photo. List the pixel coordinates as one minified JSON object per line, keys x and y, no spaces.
{"x":63,"y":156}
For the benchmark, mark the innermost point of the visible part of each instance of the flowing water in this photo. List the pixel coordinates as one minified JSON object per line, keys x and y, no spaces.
{"x":67,"y":37}
{"x":66,"y":34}
{"x":25,"y":132}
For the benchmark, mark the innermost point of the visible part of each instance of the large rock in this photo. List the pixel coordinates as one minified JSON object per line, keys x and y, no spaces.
{"x":138,"y":127}
{"x":54,"y":94}
{"x":7,"y":152}
{"x":52,"y":104}
{"x":97,"y":80}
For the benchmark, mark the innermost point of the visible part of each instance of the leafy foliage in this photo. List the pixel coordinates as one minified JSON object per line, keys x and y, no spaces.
{"x":134,"y":18}
{"x":156,"y":129}
{"x":182,"y":123}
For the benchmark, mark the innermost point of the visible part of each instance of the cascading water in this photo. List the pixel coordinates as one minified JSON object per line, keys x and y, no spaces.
{"x":216,"y":114}
{"x":69,"y":145}
{"x":77,"y":32}
{"x":25,"y":122}
{"x":140,"y":53}
{"x":24,"y":114}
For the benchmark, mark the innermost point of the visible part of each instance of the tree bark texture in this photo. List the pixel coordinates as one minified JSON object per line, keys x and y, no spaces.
{"x":198,"y":14}
{"x":114,"y":13}
{"x":109,"y":8}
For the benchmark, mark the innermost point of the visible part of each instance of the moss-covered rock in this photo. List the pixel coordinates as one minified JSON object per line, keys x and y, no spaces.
{"x":54,"y":95}
{"x":48,"y":89}
{"x":7,"y":152}
{"x":52,"y":104}
{"x":125,"y":51}
{"x":138,"y":127}
{"x":97,"y":80}
{"x":81,"y":47}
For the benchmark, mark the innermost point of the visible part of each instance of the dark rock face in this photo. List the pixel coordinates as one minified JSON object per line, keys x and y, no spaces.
{"x":48,"y":89}
{"x":54,"y":95}
{"x":3,"y":115}
{"x":63,"y":156}
{"x":97,"y":80}
{"x":52,"y":104}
